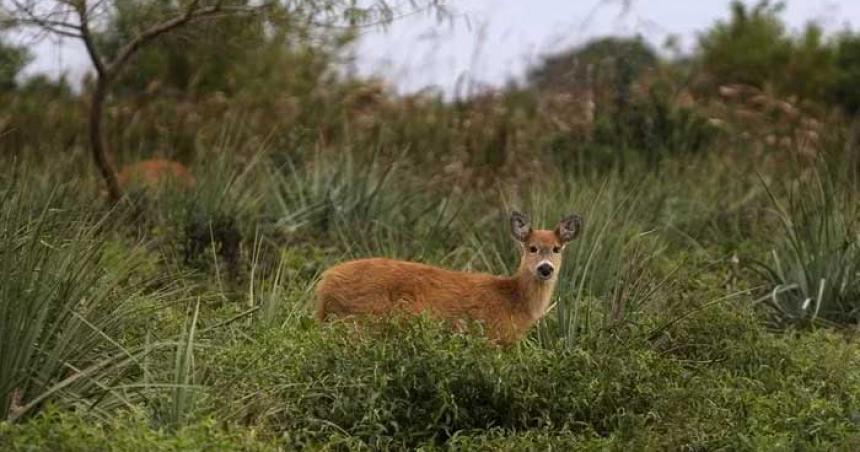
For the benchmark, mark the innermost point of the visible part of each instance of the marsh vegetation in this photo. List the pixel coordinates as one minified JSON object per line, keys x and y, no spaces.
{"x":711,"y":302}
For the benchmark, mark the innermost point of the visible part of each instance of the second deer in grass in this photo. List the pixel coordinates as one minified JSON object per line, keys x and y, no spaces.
{"x":506,"y":306}
{"x":154,"y":173}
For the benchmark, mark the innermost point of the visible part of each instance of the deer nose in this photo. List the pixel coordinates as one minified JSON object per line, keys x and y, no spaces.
{"x":544,"y":271}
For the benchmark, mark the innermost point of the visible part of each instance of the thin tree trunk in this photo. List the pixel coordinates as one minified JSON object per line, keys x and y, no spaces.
{"x":106,"y":71}
{"x":98,"y":142}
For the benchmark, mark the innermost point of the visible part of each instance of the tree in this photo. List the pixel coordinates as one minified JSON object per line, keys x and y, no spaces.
{"x":86,"y":20}
{"x":845,"y":93}
{"x":754,"y":48}
{"x":199,"y":58}
{"x":12,"y":60}
{"x":751,"y":48}
{"x":611,"y":60}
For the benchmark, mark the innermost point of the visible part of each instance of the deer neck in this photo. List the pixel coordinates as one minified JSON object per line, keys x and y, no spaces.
{"x":535,"y":293}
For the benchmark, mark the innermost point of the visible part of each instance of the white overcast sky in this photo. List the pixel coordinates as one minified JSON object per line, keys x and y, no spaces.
{"x":490,"y":41}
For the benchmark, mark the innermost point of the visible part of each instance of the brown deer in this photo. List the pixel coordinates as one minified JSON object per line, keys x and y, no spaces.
{"x":506,"y":306}
{"x":152,"y":173}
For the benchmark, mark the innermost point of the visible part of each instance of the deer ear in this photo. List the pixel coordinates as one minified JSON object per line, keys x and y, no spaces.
{"x":520,"y":227}
{"x":569,"y":228}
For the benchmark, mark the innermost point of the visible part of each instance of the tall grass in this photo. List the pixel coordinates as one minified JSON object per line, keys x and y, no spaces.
{"x":183,"y":391}
{"x":209,"y":224}
{"x":604,"y":275}
{"x":814,"y":267}
{"x":66,"y":302}
{"x":364,"y":206}
{"x":255,"y":361}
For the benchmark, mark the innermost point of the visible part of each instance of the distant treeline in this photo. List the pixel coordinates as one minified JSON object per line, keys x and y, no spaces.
{"x":596,"y":106}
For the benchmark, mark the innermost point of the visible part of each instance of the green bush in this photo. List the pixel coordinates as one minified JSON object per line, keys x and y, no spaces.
{"x":12,"y":60}
{"x":608,"y":62}
{"x":64,"y":431}
{"x":654,"y":128}
{"x":848,"y":62}
{"x":716,"y":379}
{"x":754,"y":48}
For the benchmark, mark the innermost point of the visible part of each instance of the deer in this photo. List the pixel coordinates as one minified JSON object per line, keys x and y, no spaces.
{"x":505,"y":306}
{"x":151,"y":173}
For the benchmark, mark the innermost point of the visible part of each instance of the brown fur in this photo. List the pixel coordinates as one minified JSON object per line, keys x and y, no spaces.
{"x":152,"y":173}
{"x":507,"y":306}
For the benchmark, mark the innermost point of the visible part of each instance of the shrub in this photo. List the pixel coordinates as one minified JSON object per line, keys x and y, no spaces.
{"x":754,"y":48}
{"x":613,"y":63}
{"x":64,"y":431}
{"x":655,"y":128}
{"x":715,"y":379}
{"x":12,"y":60}
{"x":848,"y":62}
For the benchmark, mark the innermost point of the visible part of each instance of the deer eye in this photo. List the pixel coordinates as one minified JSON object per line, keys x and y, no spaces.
{"x":556,"y":249}
{"x":533,"y":249}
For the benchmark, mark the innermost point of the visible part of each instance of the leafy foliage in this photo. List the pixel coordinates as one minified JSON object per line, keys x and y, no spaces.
{"x":751,"y":48}
{"x":12,"y":61}
{"x":611,"y":61}
{"x":404,"y":386}
{"x":754,"y":48}
{"x":65,"y":431}
{"x":848,"y":62}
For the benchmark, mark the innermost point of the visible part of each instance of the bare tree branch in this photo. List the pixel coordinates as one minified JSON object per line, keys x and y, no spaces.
{"x":47,"y":22}
{"x":87,"y":37}
{"x":46,"y":27}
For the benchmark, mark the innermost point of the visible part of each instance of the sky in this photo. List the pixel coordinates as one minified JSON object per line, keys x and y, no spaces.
{"x":484,"y":43}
